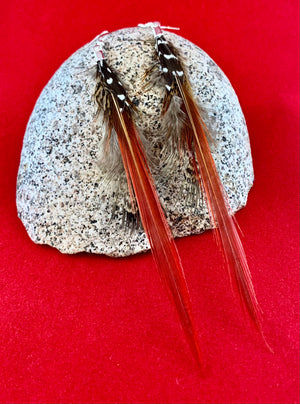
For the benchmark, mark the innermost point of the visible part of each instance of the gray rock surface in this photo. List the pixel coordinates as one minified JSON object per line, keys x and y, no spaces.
{"x":63,"y":196}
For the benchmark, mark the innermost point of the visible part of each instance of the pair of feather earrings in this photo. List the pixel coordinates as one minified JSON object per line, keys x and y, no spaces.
{"x":191,"y":136}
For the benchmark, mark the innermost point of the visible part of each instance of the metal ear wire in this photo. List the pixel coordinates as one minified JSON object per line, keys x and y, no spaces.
{"x":157,"y":24}
{"x":98,"y":45}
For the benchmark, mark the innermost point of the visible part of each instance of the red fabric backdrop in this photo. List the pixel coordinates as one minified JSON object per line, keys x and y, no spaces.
{"x":92,"y":329}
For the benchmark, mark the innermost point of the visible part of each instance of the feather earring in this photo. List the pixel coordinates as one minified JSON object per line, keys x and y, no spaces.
{"x":118,"y":110}
{"x":190,"y":133}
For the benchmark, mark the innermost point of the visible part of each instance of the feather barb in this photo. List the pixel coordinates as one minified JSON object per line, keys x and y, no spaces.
{"x":154,"y":222}
{"x":218,"y":206}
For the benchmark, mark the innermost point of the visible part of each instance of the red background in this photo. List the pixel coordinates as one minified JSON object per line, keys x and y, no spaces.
{"x":92,"y":329}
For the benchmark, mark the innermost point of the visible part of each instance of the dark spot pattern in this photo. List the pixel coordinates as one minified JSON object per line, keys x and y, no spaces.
{"x":170,"y":65}
{"x":111,"y":83}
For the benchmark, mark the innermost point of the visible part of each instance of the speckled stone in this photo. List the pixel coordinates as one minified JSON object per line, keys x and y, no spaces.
{"x":63,"y":196}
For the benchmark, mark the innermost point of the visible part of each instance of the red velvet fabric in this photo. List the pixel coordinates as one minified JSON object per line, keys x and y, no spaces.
{"x":92,"y":329}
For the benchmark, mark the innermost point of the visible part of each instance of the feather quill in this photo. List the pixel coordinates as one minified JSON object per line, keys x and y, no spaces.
{"x":194,"y":137}
{"x":112,"y":98}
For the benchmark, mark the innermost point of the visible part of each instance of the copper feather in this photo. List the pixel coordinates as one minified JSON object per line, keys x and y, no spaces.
{"x":112,"y":98}
{"x":194,"y":137}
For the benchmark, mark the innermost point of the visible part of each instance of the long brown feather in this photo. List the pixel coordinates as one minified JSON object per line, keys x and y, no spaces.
{"x":154,"y":222}
{"x":194,"y":136}
{"x":198,"y":146}
{"x":111,"y":95}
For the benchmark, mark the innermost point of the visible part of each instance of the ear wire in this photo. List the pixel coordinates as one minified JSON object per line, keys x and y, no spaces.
{"x":98,"y":46}
{"x":156,"y":24}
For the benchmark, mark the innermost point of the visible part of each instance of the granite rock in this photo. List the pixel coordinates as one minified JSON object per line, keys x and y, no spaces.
{"x":63,"y":196}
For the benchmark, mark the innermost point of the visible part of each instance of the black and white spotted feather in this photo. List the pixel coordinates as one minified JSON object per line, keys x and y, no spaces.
{"x":182,"y":118}
{"x":112,"y":98}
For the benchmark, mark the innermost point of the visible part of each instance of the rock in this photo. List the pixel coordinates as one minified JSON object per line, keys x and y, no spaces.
{"x":63,"y":196}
